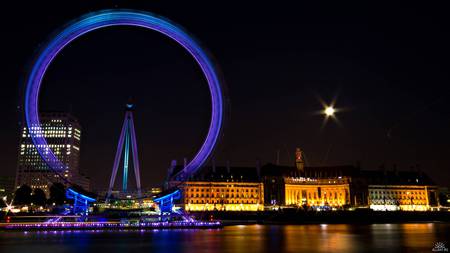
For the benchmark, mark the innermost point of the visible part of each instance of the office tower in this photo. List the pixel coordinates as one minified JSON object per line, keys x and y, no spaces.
{"x":63,"y":134}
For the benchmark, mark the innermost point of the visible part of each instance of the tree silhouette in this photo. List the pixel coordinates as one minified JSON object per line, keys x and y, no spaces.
{"x":57,"y":193}
{"x":38,"y":198}
{"x":22,"y":196}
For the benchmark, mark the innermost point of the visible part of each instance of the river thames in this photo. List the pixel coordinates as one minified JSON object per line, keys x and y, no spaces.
{"x":420,"y":237}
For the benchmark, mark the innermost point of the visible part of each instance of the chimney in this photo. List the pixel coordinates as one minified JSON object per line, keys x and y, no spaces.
{"x":228,"y":167}
{"x":185,"y":162}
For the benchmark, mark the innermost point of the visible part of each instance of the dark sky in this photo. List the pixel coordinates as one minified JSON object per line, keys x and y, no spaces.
{"x":387,"y":65}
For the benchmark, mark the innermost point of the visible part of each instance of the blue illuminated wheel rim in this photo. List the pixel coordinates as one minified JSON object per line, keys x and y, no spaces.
{"x":109,"y":18}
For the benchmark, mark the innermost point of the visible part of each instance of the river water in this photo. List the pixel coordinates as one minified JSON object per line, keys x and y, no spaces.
{"x":379,"y":238}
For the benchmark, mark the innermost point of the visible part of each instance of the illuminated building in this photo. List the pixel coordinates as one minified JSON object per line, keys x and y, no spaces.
{"x":222,"y":189}
{"x":63,"y":134}
{"x":317,"y":192}
{"x":155,"y":190}
{"x":317,"y":188}
{"x":146,"y":193}
{"x":306,"y":186}
{"x":345,"y":186}
{"x":332,"y":186}
{"x":444,"y":197}
{"x":222,"y":196}
{"x":405,"y":190}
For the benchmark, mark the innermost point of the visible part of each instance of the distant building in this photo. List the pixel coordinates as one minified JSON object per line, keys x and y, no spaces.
{"x":83,"y":181}
{"x":63,"y":134}
{"x":222,"y":189}
{"x":222,"y":196}
{"x":155,"y":190}
{"x":314,"y":187}
{"x":314,"y":192}
{"x":219,"y":188}
{"x":404,"y":190}
{"x":444,"y":196}
{"x":319,"y":188}
{"x":6,"y":186}
{"x":340,"y":186}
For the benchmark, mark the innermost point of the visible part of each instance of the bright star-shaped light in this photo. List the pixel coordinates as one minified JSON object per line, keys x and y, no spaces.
{"x":329,"y":111}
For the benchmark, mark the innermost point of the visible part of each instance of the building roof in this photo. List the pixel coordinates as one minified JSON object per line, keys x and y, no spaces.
{"x":253,"y":174}
{"x":392,"y":177}
{"x":223,"y":173}
{"x":273,"y":170}
{"x":309,"y":171}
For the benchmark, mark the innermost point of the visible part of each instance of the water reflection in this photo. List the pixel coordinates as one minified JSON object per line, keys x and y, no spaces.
{"x":254,"y":238}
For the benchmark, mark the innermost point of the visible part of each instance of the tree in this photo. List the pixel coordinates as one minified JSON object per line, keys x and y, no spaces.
{"x":38,"y":198}
{"x":57,"y":194}
{"x":22,"y":196}
{"x":443,"y":200}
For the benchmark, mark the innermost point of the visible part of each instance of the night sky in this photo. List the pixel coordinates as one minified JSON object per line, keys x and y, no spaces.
{"x":385,"y":65}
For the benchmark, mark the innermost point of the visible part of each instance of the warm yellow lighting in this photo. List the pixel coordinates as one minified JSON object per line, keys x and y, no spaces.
{"x":329,"y":111}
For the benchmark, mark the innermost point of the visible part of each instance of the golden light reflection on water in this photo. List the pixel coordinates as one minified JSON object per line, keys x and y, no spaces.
{"x":329,"y":238}
{"x":380,"y":238}
{"x":320,"y":238}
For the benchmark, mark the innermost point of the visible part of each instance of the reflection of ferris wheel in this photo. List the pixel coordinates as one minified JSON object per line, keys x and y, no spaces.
{"x":109,"y":18}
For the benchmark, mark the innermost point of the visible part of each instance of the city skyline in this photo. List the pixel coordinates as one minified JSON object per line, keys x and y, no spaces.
{"x":391,"y":116}
{"x":224,"y":127}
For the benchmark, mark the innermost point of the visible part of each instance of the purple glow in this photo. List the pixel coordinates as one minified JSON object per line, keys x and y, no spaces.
{"x":114,"y":225}
{"x":108,"y":18}
{"x":127,"y":132}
